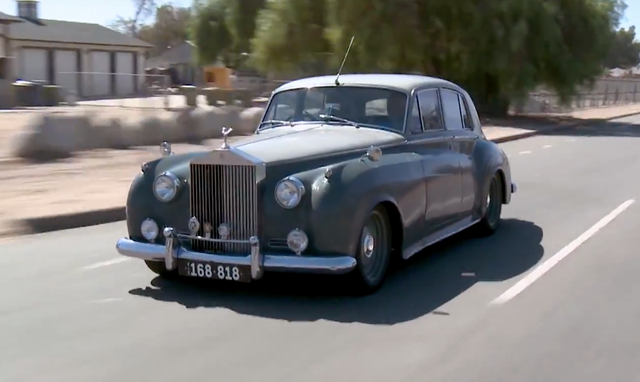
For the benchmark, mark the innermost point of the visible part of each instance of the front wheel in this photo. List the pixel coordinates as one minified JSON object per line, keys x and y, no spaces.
{"x":373,"y":254}
{"x":493,"y":208}
{"x":160,"y":269}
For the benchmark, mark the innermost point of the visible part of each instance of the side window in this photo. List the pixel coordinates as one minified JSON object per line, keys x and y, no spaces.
{"x":282,"y":107}
{"x":413,"y":125}
{"x":430,"y":110}
{"x":451,"y":109}
{"x":464,"y":110}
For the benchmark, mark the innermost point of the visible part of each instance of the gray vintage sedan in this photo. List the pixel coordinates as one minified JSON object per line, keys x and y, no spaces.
{"x":341,"y":176}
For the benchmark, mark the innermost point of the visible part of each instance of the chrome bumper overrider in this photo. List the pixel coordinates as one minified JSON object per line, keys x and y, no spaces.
{"x":258,"y":261}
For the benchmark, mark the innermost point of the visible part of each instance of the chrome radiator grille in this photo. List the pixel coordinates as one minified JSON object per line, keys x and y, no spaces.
{"x":224,"y":194}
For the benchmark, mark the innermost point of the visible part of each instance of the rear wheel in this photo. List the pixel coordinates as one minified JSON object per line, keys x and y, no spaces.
{"x":493,"y":208}
{"x":159,"y":268}
{"x":373,"y":254}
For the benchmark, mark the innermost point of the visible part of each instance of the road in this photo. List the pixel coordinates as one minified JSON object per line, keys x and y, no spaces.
{"x":488,"y":310}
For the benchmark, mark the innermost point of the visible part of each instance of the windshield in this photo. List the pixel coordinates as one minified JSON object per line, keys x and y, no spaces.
{"x":366,"y":106}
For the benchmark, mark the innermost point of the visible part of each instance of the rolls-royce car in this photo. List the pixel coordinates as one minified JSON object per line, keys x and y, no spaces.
{"x":342,"y":176}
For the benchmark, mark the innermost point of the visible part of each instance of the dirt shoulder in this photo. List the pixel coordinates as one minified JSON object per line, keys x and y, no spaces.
{"x":100,"y":179}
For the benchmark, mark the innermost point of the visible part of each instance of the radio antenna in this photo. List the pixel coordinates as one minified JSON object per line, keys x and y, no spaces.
{"x":344,"y":60}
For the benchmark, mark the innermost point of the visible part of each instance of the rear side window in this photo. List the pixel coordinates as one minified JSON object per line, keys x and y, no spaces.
{"x":430,"y":110}
{"x":464,"y":111}
{"x":451,"y":110}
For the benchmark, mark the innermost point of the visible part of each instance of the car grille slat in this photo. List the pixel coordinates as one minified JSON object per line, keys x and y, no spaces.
{"x":224,"y":194}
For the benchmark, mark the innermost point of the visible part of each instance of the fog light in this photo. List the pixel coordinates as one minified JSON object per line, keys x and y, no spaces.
{"x":149,"y":229}
{"x":297,"y":241}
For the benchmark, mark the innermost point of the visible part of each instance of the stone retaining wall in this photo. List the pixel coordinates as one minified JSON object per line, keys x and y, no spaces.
{"x":52,"y":136}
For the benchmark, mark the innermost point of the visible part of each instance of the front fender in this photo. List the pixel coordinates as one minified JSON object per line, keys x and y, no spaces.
{"x":340,"y":204}
{"x":142,"y":204}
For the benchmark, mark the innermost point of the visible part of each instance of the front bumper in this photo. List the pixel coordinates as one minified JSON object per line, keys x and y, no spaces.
{"x":259,"y":262}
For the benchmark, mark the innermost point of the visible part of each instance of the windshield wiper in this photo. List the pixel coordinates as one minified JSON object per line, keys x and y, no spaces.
{"x":275,"y":122}
{"x":333,"y":118}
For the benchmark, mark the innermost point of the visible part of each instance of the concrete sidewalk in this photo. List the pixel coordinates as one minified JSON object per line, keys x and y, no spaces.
{"x":92,"y":188}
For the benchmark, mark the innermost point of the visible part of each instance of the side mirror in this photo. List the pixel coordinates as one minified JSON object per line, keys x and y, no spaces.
{"x":374,"y":153}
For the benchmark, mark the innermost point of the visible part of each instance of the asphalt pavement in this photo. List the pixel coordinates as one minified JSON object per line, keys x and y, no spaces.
{"x":553,"y":296}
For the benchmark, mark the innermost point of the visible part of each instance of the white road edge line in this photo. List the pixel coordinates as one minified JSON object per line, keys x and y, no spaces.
{"x":564,"y":252}
{"x":106,"y":263}
{"x":524,"y":152}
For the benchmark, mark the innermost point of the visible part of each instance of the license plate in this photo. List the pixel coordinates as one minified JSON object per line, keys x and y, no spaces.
{"x":214,"y":271}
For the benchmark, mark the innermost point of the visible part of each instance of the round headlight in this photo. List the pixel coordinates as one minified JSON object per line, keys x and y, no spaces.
{"x":165,"y":187}
{"x":297,"y":241}
{"x":289,"y":192}
{"x":149,"y":229}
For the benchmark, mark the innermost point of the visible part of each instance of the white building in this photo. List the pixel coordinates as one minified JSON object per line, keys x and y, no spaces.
{"x":89,"y":59}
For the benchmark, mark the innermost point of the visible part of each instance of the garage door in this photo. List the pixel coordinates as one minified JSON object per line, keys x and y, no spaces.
{"x":34,"y":65}
{"x":66,"y":68}
{"x":125,"y":69}
{"x":101,"y":68}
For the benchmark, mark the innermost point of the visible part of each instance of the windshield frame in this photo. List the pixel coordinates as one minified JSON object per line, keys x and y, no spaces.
{"x":407,"y":105}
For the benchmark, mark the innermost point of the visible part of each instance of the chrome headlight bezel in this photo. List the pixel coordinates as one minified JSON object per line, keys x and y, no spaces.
{"x":171,"y":179}
{"x":294,"y":184}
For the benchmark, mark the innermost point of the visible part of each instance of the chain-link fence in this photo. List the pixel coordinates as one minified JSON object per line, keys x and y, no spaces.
{"x":605,"y":92}
{"x":154,"y":91}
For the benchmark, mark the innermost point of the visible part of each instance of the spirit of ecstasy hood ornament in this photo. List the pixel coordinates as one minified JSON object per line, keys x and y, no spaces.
{"x":225,"y":134}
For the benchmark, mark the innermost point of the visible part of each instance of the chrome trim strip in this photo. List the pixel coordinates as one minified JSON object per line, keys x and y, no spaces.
{"x":258,"y":261}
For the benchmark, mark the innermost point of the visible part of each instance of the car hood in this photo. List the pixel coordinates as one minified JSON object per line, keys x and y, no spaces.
{"x":288,"y":143}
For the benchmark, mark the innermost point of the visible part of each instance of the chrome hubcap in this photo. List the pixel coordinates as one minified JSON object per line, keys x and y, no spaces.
{"x":368,"y":244}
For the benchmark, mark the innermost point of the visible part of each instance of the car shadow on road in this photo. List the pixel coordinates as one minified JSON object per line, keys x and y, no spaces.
{"x":418,"y":287}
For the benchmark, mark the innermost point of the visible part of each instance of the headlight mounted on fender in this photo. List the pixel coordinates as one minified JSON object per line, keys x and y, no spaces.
{"x":166,"y":186}
{"x":289,"y":192}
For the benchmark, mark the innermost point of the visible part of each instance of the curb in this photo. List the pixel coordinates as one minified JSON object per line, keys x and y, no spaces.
{"x":52,"y":223}
{"x":547,"y":129}
{"x":111,"y":215}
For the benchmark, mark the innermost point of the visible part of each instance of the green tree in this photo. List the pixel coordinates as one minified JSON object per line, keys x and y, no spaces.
{"x":624,"y":51}
{"x":170,"y":28}
{"x":290,"y":37}
{"x":210,"y":32}
{"x":241,"y":18}
{"x":499,"y":50}
{"x":387,"y":34}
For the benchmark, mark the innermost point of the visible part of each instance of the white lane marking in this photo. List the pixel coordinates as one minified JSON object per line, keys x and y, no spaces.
{"x":571,"y":140}
{"x":101,"y":264}
{"x":525,"y":152}
{"x":564,"y":252}
{"x":547,"y":146}
{"x":105,"y":300}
